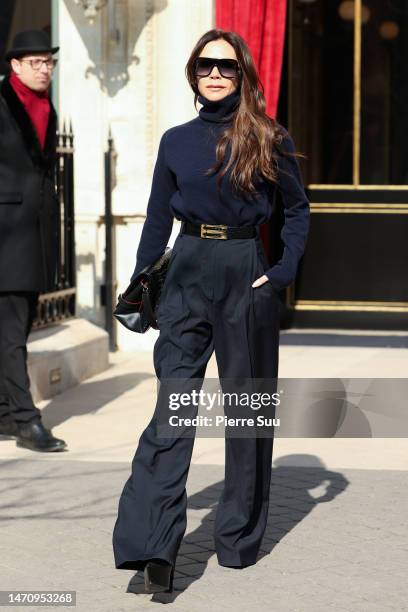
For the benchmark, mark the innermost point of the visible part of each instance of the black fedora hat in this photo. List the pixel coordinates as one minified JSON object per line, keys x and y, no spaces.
{"x":30,"y":41}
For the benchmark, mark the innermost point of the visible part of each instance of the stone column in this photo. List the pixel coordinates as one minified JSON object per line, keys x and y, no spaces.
{"x":126,"y":71}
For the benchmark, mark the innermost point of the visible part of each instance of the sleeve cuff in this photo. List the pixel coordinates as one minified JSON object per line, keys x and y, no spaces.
{"x":277,"y":283}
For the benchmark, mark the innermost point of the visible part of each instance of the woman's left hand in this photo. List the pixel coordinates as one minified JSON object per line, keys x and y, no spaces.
{"x":260,"y":281}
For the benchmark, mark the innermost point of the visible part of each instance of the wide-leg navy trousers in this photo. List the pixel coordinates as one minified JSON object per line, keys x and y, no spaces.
{"x":208,"y":303}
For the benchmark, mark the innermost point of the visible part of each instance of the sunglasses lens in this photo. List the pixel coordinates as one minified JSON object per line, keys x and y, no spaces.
{"x":228,"y":68}
{"x":203,"y":66}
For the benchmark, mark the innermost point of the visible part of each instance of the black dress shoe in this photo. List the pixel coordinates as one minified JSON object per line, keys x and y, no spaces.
{"x":36,"y":437}
{"x":158,"y":575}
{"x":8,"y":428}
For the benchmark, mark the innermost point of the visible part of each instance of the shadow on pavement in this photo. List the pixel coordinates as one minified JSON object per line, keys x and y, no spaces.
{"x":89,"y":397}
{"x":290,"y":503}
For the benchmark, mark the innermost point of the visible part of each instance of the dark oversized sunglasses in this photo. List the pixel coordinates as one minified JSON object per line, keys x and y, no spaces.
{"x":229,"y":68}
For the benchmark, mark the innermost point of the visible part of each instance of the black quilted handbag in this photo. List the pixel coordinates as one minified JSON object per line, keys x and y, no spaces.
{"x":137,"y":306}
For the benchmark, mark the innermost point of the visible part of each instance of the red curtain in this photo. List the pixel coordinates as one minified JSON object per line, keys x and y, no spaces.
{"x":261,"y":23}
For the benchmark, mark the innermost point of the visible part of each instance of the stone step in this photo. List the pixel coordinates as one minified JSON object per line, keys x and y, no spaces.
{"x":64,"y":355}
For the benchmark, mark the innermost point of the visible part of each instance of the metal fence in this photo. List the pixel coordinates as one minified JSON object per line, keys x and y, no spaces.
{"x":59,"y":305}
{"x":110,"y":286}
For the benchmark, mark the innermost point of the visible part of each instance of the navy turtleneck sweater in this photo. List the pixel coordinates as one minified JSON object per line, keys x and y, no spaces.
{"x":180,"y":189}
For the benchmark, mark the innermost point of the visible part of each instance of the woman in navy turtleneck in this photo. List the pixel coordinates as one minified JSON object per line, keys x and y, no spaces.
{"x":217,"y":173}
{"x":180,"y":189}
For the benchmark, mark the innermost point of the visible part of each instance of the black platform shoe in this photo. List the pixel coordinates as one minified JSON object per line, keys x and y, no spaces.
{"x":158,"y":575}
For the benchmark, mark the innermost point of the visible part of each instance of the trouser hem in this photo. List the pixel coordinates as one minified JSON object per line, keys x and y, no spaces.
{"x":234,"y":563}
{"x":11,"y":418}
{"x":140,"y":562}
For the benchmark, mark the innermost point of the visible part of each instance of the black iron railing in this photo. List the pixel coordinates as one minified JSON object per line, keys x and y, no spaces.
{"x":59,"y":305}
{"x":108,"y":289}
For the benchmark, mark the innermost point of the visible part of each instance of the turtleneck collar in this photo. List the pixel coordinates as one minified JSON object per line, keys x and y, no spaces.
{"x":219,"y":111}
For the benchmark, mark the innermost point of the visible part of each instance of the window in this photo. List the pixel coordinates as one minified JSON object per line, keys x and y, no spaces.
{"x":348,"y":89}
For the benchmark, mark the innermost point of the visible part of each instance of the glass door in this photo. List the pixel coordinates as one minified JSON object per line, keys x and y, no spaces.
{"x":347,"y":99}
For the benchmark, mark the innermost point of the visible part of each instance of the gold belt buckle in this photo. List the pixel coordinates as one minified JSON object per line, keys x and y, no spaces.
{"x":213,"y":231}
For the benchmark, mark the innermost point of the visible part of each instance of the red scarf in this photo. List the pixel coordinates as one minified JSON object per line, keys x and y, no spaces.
{"x":36,"y":104}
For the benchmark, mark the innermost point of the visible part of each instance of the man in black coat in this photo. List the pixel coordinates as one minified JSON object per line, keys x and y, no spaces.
{"x":28,"y":227}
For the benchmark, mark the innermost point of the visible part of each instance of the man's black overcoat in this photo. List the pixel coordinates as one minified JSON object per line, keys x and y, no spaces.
{"x":28,"y":201}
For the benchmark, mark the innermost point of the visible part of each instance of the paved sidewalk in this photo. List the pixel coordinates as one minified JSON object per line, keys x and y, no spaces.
{"x":336,"y":537}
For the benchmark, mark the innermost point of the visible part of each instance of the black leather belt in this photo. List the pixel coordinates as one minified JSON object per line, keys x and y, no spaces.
{"x":219,"y":232}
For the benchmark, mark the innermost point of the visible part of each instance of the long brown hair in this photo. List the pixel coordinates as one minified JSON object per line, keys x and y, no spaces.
{"x":252,"y":134}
